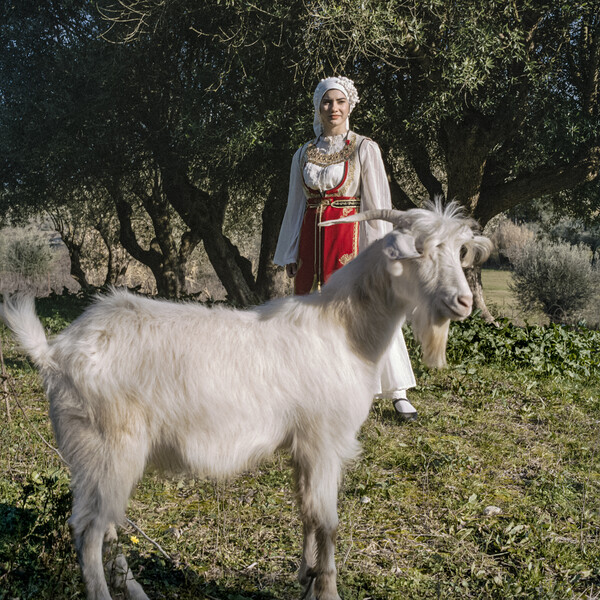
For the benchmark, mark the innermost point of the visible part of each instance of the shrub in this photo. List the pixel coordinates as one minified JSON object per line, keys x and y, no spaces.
{"x":509,"y":239}
{"x":546,"y":350}
{"x":556,"y":277}
{"x":28,"y":254}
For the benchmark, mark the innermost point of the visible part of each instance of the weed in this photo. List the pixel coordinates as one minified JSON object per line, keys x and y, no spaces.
{"x":553,"y":350}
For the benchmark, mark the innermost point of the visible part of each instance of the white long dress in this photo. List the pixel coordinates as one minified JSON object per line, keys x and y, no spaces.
{"x":369,"y":182}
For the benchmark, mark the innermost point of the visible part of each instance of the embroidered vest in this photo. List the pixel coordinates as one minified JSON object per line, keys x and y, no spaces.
{"x":339,"y":195}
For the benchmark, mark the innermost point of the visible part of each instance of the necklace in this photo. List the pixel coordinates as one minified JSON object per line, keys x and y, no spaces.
{"x":313,"y":155}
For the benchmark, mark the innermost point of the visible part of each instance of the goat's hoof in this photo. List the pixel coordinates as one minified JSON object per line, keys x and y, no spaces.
{"x":111,"y":534}
{"x":121,"y":579}
{"x":307,"y":581}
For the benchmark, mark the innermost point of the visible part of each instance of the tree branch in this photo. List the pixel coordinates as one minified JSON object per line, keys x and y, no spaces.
{"x":419,"y":157}
{"x":128,"y":239}
{"x":400,"y":199}
{"x":203,"y":214}
{"x":189,"y":241}
{"x":592,"y":75}
{"x":546,"y":180}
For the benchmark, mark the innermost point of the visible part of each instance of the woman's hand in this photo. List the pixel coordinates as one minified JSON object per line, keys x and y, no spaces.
{"x":291,"y":269}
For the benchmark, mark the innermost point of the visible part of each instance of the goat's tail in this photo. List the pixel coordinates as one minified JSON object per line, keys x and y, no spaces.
{"x":18,"y":313}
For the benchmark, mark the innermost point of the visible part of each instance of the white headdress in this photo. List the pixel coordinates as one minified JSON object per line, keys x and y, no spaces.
{"x":343,"y":84}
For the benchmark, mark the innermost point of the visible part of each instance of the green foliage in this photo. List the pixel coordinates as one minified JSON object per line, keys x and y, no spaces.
{"x":556,"y":276}
{"x":57,"y":311}
{"x":575,"y":225}
{"x":463,"y":97}
{"x":47,"y":494}
{"x":35,"y":544}
{"x":553,"y":350}
{"x":454,"y":58}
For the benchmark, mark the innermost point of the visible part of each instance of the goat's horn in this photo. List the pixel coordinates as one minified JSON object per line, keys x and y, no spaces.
{"x":384,"y":214}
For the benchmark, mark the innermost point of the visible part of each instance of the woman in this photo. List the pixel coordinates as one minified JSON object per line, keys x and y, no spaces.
{"x":336,"y":175}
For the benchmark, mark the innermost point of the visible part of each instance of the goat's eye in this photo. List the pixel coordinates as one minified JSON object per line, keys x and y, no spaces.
{"x":463,"y":253}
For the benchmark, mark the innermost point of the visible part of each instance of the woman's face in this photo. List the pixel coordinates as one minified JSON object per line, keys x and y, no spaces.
{"x":334,"y":112}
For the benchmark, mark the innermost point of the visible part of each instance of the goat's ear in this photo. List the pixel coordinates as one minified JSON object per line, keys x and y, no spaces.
{"x":476,"y":251}
{"x":399,"y":246}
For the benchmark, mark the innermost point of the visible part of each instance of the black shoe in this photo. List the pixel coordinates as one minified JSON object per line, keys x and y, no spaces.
{"x":405,"y":409}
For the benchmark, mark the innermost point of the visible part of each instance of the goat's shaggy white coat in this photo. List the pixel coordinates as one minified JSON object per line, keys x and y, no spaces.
{"x":135,"y":381}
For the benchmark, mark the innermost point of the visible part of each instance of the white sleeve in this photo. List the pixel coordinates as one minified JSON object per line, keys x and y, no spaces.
{"x":374,"y":193}
{"x":397,"y":374}
{"x":289,"y":234}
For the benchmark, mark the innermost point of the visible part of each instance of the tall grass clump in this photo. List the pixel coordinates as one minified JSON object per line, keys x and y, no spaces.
{"x":27,"y":254}
{"x":508,"y":239}
{"x":556,"y":277}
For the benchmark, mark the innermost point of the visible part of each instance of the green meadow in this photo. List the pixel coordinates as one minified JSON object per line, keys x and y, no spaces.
{"x":494,"y":492}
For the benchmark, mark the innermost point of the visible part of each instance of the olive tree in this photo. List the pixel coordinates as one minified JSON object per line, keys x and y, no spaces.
{"x":491,"y":104}
{"x":73,"y":135}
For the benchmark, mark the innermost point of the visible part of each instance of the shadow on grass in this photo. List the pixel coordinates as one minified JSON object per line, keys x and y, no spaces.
{"x":18,"y":364}
{"x":37,"y":561}
{"x":162,"y":579}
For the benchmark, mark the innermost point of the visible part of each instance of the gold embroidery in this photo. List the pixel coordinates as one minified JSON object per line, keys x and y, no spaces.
{"x":346,"y":258}
{"x":313,"y":155}
{"x":318,"y":202}
{"x":345,"y":189}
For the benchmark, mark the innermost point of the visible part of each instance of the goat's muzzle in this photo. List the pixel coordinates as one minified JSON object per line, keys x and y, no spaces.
{"x":459,"y":307}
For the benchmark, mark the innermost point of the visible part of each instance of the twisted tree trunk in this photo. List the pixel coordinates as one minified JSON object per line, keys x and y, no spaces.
{"x":204,"y":214}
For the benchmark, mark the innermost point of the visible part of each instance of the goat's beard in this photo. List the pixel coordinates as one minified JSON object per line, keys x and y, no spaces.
{"x":433,"y":337}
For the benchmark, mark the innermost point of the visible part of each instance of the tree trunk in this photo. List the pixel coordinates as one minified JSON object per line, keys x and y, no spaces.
{"x":170,"y":273}
{"x":203,"y":214}
{"x":164,"y":269}
{"x":223,"y":256}
{"x":170,"y":280}
{"x":498,"y":197}
{"x":117,"y":267}
{"x":77,"y":271}
{"x":473,"y":275}
{"x":118,"y":258}
{"x":269,"y":276}
{"x":467,"y":145}
{"x":73,"y":243}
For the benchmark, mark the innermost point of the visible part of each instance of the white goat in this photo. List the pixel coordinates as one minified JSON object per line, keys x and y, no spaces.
{"x":135,"y":381}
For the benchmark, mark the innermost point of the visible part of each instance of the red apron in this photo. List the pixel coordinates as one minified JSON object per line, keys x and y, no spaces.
{"x":324,"y":250}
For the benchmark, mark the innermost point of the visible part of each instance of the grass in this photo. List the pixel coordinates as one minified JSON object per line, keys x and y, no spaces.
{"x":495,"y":288}
{"x":502,"y":302}
{"x":413,"y":522}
